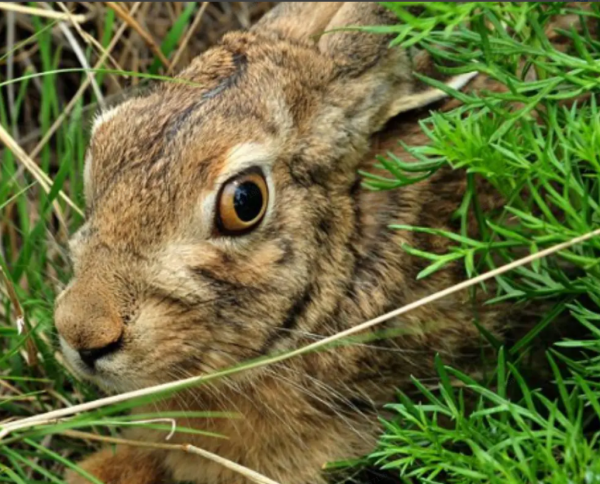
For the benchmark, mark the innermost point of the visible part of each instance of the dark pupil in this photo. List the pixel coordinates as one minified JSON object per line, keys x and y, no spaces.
{"x":247,"y":201}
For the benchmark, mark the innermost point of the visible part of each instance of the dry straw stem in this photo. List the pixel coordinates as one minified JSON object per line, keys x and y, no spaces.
{"x":12,"y":296}
{"x":89,"y":39}
{"x":44,"y":180}
{"x":176,"y":385}
{"x":10,"y":68}
{"x":20,"y":321}
{"x":188,"y":37}
{"x":67,"y":110}
{"x":190,"y":449}
{"x":15,"y":7}
{"x":78,"y":51}
{"x":134,"y":24}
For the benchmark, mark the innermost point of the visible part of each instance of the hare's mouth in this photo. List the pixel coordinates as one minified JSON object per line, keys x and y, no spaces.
{"x":105,"y":372}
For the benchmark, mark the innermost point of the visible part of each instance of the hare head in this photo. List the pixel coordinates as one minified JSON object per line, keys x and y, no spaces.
{"x":223,"y":207}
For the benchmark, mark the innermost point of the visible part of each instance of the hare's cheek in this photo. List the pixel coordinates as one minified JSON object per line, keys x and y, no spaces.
{"x":162,"y":339}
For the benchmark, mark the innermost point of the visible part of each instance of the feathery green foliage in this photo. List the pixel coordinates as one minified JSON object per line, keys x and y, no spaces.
{"x":537,"y":143}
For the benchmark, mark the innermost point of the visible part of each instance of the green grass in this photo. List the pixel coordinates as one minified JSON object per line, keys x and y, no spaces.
{"x":542,"y":154}
{"x":537,"y":143}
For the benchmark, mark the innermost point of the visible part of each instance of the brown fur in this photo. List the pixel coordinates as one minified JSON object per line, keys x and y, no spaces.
{"x":125,"y":465}
{"x":180,"y":300}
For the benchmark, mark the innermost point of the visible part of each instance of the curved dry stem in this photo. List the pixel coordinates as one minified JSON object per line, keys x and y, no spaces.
{"x":42,"y":178}
{"x":190,"y":449}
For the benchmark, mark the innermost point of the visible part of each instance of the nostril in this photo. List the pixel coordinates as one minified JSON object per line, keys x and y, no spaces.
{"x":90,"y":356}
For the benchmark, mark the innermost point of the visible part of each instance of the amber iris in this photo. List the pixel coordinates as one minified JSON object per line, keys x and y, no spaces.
{"x":242,"y":203}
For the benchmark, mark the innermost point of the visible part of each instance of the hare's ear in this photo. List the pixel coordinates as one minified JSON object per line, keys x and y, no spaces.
{"x":364,"y":61}
{"x":308,"y":21}
{"x":298,"y":20}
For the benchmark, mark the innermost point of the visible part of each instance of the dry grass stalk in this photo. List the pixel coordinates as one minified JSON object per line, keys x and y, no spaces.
{"x":14,"y":7}
{"x":10,"y":68}
{"x":190,"y":449}
{"x":47,"y":417}
{"x":21,"y":324}
{"x":10,"y":388}
{"x":188,"y":37}
{"x":42,"y":178}
{"x":89,"y":39}
{"x":69,"y":107}
{"x":134,"y":24}
{"x":78,"y":51}
{"x":93,"y":41}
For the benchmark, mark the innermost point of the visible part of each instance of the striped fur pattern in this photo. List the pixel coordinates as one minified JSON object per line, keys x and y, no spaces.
{"x":152,"y":276}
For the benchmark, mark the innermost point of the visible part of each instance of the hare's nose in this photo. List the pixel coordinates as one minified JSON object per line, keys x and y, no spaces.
{"x":89,"y":322}
{"x":90,"y":356}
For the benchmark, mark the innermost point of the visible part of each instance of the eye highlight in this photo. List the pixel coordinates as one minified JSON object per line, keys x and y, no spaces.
{"x":242,"y":203}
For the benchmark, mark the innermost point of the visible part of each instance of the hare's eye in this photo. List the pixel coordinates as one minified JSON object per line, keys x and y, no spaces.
{"x":242,"y":203}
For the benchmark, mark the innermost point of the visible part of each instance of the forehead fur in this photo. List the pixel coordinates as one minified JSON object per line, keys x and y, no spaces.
{"x":149,"y":156}
{"x":226,"y":96}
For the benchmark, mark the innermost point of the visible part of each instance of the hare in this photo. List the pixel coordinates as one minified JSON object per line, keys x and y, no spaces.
{"x":226,"y":221}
